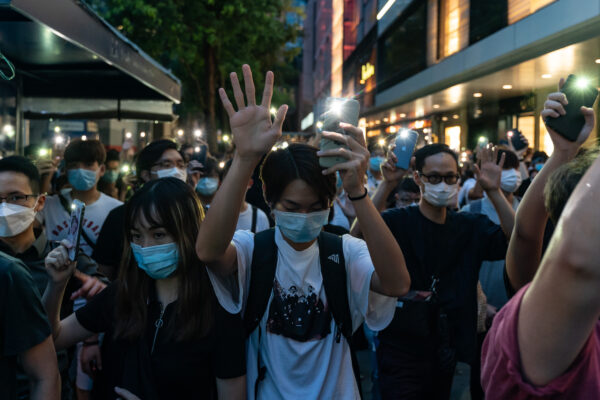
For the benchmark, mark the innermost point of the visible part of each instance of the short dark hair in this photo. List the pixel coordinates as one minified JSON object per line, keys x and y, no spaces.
{"x":431,"y":150}
{"x":150,"y":154}
{"x":85,"y":151}
{"x":112,"y":155}
{"x":298,"y":161}
{"x":563,"y":181}
{"x":23,"y":166}
{"x":511,"y":161}
{"x":408,"y":185}
{"x":210,"y":166}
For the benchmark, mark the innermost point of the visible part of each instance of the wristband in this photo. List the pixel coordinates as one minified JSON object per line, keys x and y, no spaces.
{"x":359,"y":197}
{"x":92,"y":343}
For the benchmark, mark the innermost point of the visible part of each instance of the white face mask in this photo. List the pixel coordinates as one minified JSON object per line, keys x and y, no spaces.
{"x":511,"y":180}
{"x":172,"y":173}
{"x":14,"y":219}
{"x":440,"y":195}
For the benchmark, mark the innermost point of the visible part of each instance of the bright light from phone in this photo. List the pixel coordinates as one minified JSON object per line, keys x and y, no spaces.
{"x":582,"y":83}
{"x":222,"y":165}
{"x":483,"y":139}
{"x":320,"y":125}
{"x":197,"y":133}
{"x":404,"y":134}
{"x":58,"y":139}
{"x":73,"y":206}
{"x":57,"y":129}
{"x":381,"y":142}
{"x":125,"y":168}
{"x":226,"y":138}
{"x":197,"y":149}
{"x":284,"y":145}
{"x":83,"y":137}
{"x":336,"y":107}
{"x":128,"y":135}
{"x":43,"y":152}
{"x":273,"y":111}
{"x":142,"y":134}
{"x":180,"y":132}
{"x":510,"y":134}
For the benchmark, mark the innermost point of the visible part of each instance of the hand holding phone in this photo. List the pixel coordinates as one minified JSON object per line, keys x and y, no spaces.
{"x":338,"y":110}
{"x":405,"y":144}
{"x":580,"y":93}
{"x":519,"y":142}
{"x":75,"y":227}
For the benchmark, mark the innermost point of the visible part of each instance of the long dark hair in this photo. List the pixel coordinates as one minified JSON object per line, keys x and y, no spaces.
{"x":172,"y":204}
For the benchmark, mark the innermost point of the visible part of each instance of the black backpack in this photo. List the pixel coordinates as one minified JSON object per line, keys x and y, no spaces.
{"x":333,"y":270}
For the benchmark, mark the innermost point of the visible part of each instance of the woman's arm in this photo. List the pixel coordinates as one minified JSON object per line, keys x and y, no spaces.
{"x":232,"y":389}
{"x":69,"y":331}
{"x":561,"y":307}
{"x":391,"y":277}
{"x":525,"y":247}
{"x":254,"y":134}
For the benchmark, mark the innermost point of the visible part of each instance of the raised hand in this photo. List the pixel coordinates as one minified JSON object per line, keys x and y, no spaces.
{"x":254,"y":133}
{"x":354,"y":170}
{"x":390,"y":172}
{"x":553,"y":108}
{"x":58,"y":265}
{"x":90,"y":286}
{"x":489,"y":173}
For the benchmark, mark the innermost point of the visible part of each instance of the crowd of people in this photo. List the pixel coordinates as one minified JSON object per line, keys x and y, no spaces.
{"x":257,"y":277}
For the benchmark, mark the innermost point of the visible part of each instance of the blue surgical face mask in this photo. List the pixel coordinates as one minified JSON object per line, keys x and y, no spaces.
{"x":158,"y":262}
{"x":375,"y":163}
{"x":538,"y":167}
{"x":207,"y":186}
{"x":301,"y":227}
{"x":110,"y":176}
{"x":82,"y":179}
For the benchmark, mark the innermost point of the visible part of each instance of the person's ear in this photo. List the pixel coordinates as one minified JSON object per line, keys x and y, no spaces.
{"x":102,"y":170}
{"x":41,"y":202}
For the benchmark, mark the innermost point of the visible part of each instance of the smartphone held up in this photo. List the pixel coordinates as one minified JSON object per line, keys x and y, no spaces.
{"x":338,"y":110}
{"x":75,"y":227}
{"x":405,"y":143}
{"x":580,"y":92}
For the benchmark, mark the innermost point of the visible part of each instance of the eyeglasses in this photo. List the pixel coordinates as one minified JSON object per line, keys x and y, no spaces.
{"x":435,"y":179}
{"x":19,"y":199}
{"x":165,"y":164}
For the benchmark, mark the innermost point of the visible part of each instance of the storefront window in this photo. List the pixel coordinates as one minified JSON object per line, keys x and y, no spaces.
{"x":452,"y":137}
{"x":454,"y":24}
{"x":519,"y":9}
{"x":545,"y":140}
{"x":526,"y":125}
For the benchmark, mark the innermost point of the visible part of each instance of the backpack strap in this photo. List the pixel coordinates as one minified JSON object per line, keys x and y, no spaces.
{"x":262,"y":274}
{"x":333,"y":270}
{"x":254,"y":218}
{"x":67,"y":207}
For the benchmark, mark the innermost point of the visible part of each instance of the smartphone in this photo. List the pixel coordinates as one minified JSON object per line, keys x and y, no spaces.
{"x":338,"y":110}
{"x":579,"y":92}
{"x":406,"y":141}
{"x":516,"y":138}
{"x":75,"y":227}
{"x":200,"y":156}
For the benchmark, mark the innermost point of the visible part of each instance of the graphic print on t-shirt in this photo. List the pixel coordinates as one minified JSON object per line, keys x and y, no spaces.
{"x":298,"y":314}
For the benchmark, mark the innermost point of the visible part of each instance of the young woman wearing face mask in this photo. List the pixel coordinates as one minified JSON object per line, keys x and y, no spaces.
{"x":295,"y":347}
{"x":165,"y":334}
{"x":443,"y":251}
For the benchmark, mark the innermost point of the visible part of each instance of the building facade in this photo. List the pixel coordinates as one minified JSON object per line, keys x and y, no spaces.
{"x":459,"y":71}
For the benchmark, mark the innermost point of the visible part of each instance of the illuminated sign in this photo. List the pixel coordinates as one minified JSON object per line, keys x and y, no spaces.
{"x":366,"y":72}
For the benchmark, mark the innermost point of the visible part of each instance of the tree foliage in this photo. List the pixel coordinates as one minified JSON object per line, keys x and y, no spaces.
{"x":203,"y":40}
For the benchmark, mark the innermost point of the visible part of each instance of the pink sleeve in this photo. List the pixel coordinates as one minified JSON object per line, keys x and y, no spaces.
{"x":501,"y":373}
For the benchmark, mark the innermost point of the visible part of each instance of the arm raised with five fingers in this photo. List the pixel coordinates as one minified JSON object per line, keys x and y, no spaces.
{"x":489,"y":174}
{"x":254,"y":134}
{"x":525,"y":247}
{"x":391,"y":278}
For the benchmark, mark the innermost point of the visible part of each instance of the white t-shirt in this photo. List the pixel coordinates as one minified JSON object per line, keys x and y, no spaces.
{"x":313,"y":365}
{"x":57,"y":220}
{"x":245,"y":220}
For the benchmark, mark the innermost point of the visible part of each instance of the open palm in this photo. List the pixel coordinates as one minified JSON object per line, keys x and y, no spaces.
{"x":254,"y":134}
{"x":489,"y":173}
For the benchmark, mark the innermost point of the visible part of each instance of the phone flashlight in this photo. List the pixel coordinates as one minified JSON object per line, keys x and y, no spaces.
{"x":125,"y":168}
{"x":582,"y":83}
{"x":43,"y":152}
{"x":510,"y":134}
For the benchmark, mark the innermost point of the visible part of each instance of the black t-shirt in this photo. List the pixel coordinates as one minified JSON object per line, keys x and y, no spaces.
{"x":109,"y":246}
{"x":23,"y":321}
{"x":175,"y":370}
{"x":453,"y":252}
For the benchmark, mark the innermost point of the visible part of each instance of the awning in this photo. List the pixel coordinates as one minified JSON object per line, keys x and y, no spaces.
{"x":62,"y":49}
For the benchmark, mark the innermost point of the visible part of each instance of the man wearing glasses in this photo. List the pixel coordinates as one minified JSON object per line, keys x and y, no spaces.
{"x":434,"y":326}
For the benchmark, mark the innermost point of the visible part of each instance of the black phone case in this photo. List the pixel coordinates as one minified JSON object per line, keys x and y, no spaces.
{"x":569,"y":125}
{"x":517,"y":142}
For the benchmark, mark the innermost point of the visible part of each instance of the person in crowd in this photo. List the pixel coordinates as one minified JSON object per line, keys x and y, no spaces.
{"x":545,"y":342}
{"x":251,"y":218}
{"x":491,"y":273}
{"x":538,"y":161}
{"x":526,"y":245}
{"x":166,"y":337}
{"x":376,"y":160}
{"x":84,"y":160}
{"x":108,"y":182}
{"x":209,"y":182}
{"x":407,"y":193}
{"x":435,"y":326}
{"x":160,"y":159}
{"x":300,"y":305}
{"x":25,"y":335}
{"x":19,"y":188}
{"x":469,"y":189}
{"x":187,"y":151}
